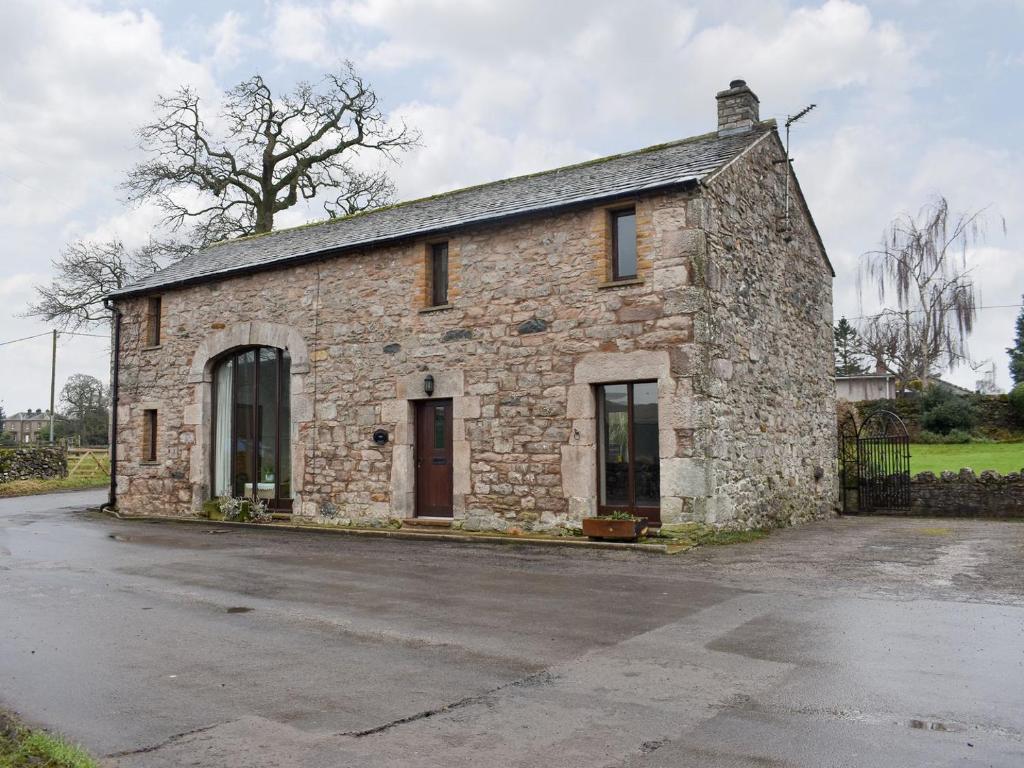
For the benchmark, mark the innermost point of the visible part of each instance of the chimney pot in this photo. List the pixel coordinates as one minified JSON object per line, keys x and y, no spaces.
{"x":738,"y":109}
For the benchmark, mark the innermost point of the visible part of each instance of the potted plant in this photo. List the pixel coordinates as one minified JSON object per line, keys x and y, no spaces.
{"x":615,"y":526}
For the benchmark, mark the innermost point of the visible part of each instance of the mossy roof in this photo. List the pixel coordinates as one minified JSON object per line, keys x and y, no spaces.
{"x":665,"y":165}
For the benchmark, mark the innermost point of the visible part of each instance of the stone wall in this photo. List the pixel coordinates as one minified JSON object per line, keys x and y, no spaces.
{"x":965,"y":494}
{"x":767,"y":374}
{"x":532,"y":326}
{"x":34,"y":462}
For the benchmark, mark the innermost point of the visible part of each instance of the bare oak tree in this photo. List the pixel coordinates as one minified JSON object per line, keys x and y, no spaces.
{"x":263,"y":154}
{"x":87,"y":271}
{"x":84,"y":399}
{"x":921,"y":271}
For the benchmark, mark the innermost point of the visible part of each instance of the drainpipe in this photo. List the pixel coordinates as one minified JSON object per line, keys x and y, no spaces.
{"x":114,"y":376}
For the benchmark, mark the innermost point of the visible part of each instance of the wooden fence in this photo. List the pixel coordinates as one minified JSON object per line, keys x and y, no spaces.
{"x":88,"y":464}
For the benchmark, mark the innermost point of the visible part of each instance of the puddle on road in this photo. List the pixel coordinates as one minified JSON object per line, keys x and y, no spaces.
{"x":118,"y":537}
{"x":239,"y":609}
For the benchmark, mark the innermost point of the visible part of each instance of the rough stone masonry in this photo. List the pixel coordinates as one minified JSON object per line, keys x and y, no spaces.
{"x":730,"y":312}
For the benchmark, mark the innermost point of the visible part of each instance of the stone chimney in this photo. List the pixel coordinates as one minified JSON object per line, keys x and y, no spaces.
{"x":737,"y":109}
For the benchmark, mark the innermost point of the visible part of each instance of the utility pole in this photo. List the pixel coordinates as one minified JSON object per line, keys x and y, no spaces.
{"x":53,"y":380}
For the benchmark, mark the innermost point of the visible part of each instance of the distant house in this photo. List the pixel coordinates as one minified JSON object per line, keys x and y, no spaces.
{"x":28,"y":426}
{"x":866,"y":386}
{"x":883,"y":386}
{"x":647,"y":333}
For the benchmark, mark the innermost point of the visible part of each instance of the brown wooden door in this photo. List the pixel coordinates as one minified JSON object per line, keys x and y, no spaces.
{"x":434,"y":458}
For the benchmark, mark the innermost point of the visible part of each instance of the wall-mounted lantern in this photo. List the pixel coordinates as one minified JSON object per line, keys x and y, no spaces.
{"x":428,"y":384}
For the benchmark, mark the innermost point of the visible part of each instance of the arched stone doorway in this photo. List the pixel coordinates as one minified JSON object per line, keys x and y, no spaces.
{"x":251,"y":430}
{"x":293,"y":412}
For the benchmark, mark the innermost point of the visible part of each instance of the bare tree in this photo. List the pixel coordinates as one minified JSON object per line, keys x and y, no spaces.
{"x":87,"y":271}
{"x":85,"y":405}
{"x":266,"y":155}
{"x":922,"y":269}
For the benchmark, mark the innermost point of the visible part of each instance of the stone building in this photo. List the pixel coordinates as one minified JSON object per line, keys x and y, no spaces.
{"x":650,"y":332}
{"x":28,"y":426}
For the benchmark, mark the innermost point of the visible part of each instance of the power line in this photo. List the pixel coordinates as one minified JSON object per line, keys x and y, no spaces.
{"x":920,"y":311}
{"x":26,"y":338}
{"x":59,"y":333}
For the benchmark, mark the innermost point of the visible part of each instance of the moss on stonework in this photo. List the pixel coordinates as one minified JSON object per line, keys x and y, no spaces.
{"x":766,"y":124}
{"x":701,"y":535}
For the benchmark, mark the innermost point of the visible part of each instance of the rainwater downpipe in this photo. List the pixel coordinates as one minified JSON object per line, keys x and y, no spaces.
{"x":114,"y":378}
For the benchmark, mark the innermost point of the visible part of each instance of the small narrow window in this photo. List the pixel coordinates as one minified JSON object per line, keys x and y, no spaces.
{"x":438,"y":274}
{"x":153,"y":321}
{"x":624,"y":244}
{"x":149,"y":435}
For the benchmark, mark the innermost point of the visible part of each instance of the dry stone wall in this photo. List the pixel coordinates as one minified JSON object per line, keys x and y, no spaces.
{"x":966,"y":494}
{"x":34,"y":462}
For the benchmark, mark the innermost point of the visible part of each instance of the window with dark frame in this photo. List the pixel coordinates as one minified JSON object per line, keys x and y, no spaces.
{"x":149,"y":435}
{"x":628,"y":449}
{"x":251,"y":454}
{"x":624,"y":244}
{"x":438,"y":274}
{"x":153,"y":310}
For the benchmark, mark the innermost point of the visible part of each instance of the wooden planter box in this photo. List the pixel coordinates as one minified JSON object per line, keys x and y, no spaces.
{"x":613,"y":530}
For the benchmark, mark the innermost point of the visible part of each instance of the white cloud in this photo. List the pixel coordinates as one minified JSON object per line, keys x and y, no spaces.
{"x":228,"y":40}
{"x":76,"y":82}
{"x":75,"y":85}
{"x":504,"y":88}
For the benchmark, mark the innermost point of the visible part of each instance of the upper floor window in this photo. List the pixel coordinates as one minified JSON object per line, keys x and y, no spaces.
{"x":438,"y":274}
{"x":624,"y":244}
{"x":153,"y":310}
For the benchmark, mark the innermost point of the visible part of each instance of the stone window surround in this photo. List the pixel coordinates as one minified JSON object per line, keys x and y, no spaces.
{"x":602,"y":228}
{"x":133,"y":416}
{"x":681,"y":477}
{"x":199,"y":413}
{"x":401,"y":412}
{"x":154,"y":321}
{"x":424,"y":282}
{"x":613,"y":243}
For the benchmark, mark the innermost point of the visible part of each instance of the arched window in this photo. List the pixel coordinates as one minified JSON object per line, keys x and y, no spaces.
{"x":252,"y":426}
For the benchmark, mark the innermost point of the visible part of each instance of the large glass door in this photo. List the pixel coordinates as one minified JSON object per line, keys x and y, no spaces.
{"x":252,"y":426}
{"x":628,"y":455}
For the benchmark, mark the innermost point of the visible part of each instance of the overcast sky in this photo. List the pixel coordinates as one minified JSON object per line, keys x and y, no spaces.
{"x":914,"y":99}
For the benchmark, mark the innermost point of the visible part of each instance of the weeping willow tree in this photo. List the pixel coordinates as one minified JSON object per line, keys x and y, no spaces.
{"x":921,"y":277}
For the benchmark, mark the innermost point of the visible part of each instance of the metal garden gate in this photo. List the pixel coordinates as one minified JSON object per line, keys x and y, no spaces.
{"x":874,"y":464}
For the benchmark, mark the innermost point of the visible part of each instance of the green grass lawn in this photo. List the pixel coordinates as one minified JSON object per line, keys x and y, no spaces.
{"x":1002,"y":457}
{"x":21,"y":747}
{"x":34,"y":487}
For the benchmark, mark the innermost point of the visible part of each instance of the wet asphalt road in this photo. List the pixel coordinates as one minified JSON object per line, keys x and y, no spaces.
{"x":854,"y":642}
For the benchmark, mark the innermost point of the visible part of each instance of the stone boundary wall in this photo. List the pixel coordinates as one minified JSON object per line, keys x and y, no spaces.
{"x":965,"y":494}
{"x":34,"y":462}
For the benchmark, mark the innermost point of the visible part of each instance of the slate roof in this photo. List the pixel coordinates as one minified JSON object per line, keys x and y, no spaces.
{"x":665,"y":165}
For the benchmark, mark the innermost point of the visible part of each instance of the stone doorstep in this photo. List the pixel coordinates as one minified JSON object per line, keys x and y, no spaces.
{"x":427,"y":522}
{"x":464,"y":537}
